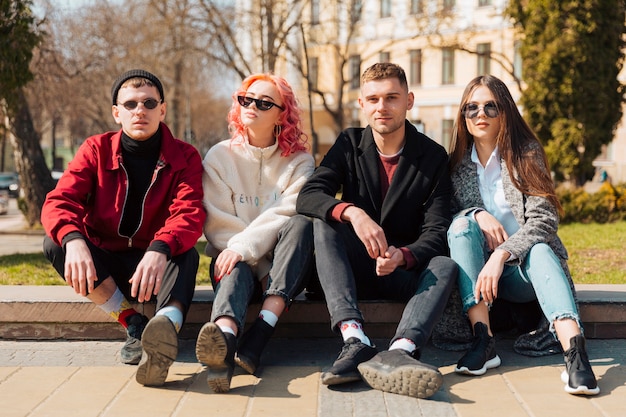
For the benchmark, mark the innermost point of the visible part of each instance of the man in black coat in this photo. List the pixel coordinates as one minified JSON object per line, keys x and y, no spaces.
{"x":385,"y":238}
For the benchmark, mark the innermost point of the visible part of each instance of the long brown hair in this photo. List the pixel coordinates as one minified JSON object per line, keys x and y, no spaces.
{"x":513,"y":140}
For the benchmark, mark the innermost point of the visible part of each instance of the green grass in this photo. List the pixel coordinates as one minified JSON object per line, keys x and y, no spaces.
{"x":596,"y":257}
{"x":596,"y":252}
{"x":34,"y":269}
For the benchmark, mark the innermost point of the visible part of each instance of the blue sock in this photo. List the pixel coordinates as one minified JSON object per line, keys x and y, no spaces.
{"x":268,"y":317}
{"x":174,"y":314}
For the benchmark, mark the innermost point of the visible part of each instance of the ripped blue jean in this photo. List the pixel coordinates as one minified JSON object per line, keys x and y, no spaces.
{"x":540,"y":276}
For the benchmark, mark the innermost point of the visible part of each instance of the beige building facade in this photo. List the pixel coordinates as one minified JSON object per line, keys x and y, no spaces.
{"x":442,"y":45}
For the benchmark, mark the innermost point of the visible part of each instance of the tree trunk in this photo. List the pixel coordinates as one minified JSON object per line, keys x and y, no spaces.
{"x":35,"y":178}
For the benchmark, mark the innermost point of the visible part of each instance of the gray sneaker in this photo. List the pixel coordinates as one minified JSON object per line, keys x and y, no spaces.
{"x":160,"y":347}
{"x":396,"y":371}
{"x":131,"y":351}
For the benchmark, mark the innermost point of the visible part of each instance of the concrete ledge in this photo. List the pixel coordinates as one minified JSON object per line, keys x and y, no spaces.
{"x":56,"y":312}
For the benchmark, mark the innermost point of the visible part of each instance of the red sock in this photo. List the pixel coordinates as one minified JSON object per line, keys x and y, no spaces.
{"x":125,"y":314}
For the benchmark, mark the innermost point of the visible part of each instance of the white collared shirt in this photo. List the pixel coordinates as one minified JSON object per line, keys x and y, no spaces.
{"x":492,"y":192}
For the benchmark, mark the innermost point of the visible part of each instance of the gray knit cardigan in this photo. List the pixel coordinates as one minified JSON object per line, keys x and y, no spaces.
{"x":538,"y":220}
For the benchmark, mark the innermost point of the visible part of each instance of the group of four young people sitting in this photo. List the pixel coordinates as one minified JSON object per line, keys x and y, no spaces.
{"x":124,"y":218}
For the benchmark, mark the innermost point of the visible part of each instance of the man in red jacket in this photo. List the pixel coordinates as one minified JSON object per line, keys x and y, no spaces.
{"x":123,"y":220}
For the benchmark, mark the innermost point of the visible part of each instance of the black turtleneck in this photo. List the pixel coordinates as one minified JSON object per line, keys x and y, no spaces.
{"x":139,"y":159}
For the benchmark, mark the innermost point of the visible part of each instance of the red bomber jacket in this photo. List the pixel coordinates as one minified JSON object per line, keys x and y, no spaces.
{"x":90,"y":196}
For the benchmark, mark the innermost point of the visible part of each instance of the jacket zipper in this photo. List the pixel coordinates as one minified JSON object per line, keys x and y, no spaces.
{"x":261,"y":166}
{"x":160,"y":164}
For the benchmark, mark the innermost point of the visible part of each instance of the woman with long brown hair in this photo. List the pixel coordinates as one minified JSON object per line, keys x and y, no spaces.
{"x":504,"y":234}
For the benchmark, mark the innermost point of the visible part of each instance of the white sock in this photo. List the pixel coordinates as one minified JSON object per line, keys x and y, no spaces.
{"x":353,"y":328}
{"x":404,"y":344}
{"x":226,"y":329}
{"x":114,"y":303}
{"x":268,"y":317}
{"x":174,"y":314}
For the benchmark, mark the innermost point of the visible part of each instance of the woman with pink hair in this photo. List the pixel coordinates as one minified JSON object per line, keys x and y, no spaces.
{"x":257,"y":243}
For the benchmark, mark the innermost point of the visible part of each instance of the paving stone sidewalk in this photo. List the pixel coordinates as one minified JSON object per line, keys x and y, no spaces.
{"x":86,"y":378}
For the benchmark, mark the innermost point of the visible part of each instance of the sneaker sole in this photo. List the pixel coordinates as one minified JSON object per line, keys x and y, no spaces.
{"x":413,"y":381}
{"x":334,"y":379}
{"x":211,"y":350}
{"x":581,"y":390}
{"x":246,"y":363}
{"x":490,"y":364}
{"x":160,"y":348}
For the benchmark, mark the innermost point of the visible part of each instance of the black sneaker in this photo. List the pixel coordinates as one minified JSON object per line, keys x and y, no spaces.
{"x":397,"y":372}
{"x":252,"y":344}
{"x":344,"y":368}
{"x":578,"y":375}
{"x":216,"y":350}
{"x":160,"y":347}
{"x":481,"y":355}
{"x":131,"y":351}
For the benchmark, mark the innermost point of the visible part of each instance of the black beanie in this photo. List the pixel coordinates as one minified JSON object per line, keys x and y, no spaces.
{"x":133,"y":74}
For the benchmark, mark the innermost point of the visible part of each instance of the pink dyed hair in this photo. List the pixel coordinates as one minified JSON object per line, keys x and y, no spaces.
{"x":291,"y":139}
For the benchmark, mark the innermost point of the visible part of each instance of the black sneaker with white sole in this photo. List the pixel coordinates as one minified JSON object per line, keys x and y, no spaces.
{"x":481,"y":355}
{"x":578,"y":376}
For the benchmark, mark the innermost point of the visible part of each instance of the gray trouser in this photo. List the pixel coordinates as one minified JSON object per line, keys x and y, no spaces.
{"x":291,"y":269}
{"x":347,"y":274}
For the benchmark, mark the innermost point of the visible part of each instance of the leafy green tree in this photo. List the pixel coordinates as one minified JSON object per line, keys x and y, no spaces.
{"x":18,"y":39}
{"x":572,"y":53}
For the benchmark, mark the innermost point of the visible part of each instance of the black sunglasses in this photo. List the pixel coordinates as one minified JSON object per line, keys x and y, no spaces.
{"x":471,"y":110}
{"x":262,"y":105}
{"x":149,"y":104}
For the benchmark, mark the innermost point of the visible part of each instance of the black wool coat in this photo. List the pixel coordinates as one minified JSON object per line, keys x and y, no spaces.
{"x":416,"y":210}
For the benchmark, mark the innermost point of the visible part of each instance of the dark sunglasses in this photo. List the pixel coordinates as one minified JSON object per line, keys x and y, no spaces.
{"x":149,"y":104}
{"x":471,"y":110}
{"x":262,"y":105}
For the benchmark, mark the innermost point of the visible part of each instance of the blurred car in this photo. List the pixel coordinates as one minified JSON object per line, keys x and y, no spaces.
{"x":56,"y":175}
{"x":10,"y":181}
{"x":4,"y":201}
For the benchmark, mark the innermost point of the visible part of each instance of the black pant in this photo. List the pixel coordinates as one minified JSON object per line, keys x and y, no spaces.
{"x":348,"y":274}
{"x":179,"y":281}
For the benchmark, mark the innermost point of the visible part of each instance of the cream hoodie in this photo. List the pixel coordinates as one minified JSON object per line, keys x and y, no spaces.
{"x":249,"y":194}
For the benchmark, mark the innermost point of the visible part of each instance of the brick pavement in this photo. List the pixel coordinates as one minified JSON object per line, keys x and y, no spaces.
{"x":83,"y":378}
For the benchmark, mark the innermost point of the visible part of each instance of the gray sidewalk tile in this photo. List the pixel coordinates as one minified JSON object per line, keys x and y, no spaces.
{"x":86,"y":379}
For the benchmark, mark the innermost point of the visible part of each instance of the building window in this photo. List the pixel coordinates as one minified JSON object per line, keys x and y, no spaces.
{"x":482,"y":3}
{"x":446,"y":132}
{"x":415,"y":67}
{"x":315,"y":12}
{"x":384,"y":57}
{"x":385,"y":8}
{"x":484,"y":58}
{"x":313,"y":72}
{"x":419,"y":125}
{"x":447,"y":66}
{"x":448,"y":4}
{"x":417,"y":6}
{"x":517,"y":60}
{"x":355,"y":71}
